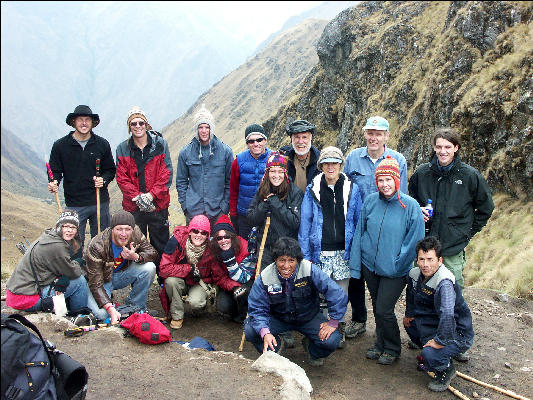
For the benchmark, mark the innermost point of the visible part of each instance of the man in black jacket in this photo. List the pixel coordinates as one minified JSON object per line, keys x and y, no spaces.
{"x":73,"y":158}
{"x":461,"y":197}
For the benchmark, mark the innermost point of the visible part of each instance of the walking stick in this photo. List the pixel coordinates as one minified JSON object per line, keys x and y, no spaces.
{"x":488,"y":385}
{"x":50,"y":179}
{"x":452,"y":389}
{"x":98,"y":195}
{"x":258,"y":266}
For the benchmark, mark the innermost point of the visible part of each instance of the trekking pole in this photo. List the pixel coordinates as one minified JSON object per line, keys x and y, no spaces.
{"x":453,"y":390}
{"x":509,"y":393}
{"x":50,"y":179}
{"x":258,"y":266}
{"x":98,"y":195}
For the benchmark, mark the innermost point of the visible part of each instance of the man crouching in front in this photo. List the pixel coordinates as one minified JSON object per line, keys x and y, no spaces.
{"x":285,"y":297}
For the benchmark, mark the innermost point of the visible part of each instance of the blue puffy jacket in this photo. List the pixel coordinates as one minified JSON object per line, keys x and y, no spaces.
{"x":311,"y":219}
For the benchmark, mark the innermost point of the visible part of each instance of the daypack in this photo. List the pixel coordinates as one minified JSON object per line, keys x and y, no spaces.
{"x":146,"y":328}
{"x":33,"y":369}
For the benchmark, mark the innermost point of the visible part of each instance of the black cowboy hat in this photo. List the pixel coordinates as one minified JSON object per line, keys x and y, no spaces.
{"x":82,"y":111}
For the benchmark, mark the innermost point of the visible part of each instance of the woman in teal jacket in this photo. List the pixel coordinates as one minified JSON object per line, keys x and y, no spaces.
{"x":383,"y":250}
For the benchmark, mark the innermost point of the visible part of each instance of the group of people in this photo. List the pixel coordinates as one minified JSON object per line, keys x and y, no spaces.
{"x":326,"y":224}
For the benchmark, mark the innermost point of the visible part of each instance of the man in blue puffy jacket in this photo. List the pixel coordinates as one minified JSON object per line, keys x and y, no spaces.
{"x":284,"y":298}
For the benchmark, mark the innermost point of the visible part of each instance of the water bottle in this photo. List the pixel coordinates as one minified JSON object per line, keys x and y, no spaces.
{"x":429,"y":209}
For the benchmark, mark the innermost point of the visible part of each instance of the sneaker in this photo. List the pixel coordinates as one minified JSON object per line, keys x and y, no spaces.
{"x":373,"y":353}
{"x":354,"y":328}
{"x":442,"y":379}
{"x":176,"y":323}
{"x":386,"y":359}
{"x":462,"y":357}
{"x":315,"y":362}
{"x":412,"y":345}
{"x":288,"y":339}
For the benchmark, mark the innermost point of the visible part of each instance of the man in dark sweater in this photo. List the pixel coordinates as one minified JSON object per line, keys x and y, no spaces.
{"x":73,"y":158}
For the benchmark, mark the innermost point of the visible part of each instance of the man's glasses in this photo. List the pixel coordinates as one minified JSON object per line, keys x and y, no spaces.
{"x":258,"y":140}
{"x":219,"y":238}
{"x":70,"y":227}
{"x":199,"y":232}
{"x":135,"y":123}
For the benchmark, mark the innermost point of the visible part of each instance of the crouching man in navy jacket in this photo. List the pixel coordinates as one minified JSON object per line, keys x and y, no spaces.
{"x":285,"y":297}
{"x":437,"y":318}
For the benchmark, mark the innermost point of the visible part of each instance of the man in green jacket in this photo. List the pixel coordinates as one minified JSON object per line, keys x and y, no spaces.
{"x":461,"y":197}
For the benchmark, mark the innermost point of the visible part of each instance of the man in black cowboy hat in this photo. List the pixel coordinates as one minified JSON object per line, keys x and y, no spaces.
{"x":73,"y":158}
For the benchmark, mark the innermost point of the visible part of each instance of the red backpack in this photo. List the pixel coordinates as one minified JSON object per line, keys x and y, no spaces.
{"x":146,"y":328}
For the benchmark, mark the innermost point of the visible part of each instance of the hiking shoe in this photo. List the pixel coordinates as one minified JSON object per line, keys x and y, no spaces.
{"x":412,"y":345}
{"x":354,"y":328}
{"x":176,"y":323}
{"x":288,"y":339}
{"x":315,"y":362}
{"x":462,"y":357}
{"x":83,"y":320}
{"x":386,"y":359}
{"x":373,"y":353}
{"x":442,"y":379}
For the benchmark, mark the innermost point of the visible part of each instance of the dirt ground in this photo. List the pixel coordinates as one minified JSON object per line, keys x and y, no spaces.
{"x":121,"y":367}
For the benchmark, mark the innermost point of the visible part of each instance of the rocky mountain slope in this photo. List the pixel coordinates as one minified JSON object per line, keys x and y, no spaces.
{"x":423,"y":65}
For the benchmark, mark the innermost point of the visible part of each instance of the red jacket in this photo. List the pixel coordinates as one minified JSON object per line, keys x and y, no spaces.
{"x":174,"y":263}
{"x":155,"y":176}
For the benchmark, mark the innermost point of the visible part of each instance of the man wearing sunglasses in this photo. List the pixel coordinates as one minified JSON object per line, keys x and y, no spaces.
{"x":247,"y":171}
{"x":144,"y":175}
{"x":73,"y":159}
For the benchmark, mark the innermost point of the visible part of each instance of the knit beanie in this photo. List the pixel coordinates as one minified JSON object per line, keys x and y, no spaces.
{"x":276,"y":159}
{"x":330,"y":155}
{"x":136,"y":112}
{"x":223,"y":223}
{"x":299,"y":126}
{"x":67,"y":217}
{"x":203,"y":116}
{"x":390,"y":167}
{"x":254,"y":129}
{"x":122,"y":218}
{"x":200,"y":222}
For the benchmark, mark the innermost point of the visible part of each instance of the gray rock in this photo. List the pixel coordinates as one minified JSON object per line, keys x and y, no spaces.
{"x":504,"y":297}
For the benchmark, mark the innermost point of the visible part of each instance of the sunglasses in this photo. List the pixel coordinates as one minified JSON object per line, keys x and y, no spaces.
{"x":219,"y":238}
{"x":135,"y":123}
{"x":258,"y":140}
{"x":199,"y":232}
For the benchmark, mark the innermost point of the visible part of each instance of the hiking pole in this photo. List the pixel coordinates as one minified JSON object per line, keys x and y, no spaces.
{"x":258,"y":266}
{"x":509,"y":393}
{"x":50,"y":179}
{"x":98,"y":195}
{"x":453,"y":390}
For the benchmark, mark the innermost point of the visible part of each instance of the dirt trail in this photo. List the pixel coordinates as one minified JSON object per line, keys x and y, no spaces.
{"x":123,"y":368}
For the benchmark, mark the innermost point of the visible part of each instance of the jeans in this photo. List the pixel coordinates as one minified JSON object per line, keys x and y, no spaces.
{"x":310,"y":329}
{"x":356,"y":295}
{"x":75,"y":294}
{"x":140,"y":276}
{"x":89,"y":213}
{"x":385,"y":292}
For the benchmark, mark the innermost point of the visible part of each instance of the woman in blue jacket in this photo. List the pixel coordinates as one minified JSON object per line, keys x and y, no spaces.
{"x":329,"y":214}
{"x":383,"y":250}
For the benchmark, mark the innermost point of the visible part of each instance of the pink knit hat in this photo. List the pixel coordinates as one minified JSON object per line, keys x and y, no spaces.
{"x":200,"y":222}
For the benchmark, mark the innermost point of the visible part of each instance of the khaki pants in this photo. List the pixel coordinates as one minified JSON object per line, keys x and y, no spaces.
{"x":176,"y":288}
{"x":456,"y":264}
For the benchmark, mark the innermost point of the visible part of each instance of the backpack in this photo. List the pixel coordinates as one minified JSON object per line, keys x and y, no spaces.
{"x":146,"y":328}
{"x":33,"y":369}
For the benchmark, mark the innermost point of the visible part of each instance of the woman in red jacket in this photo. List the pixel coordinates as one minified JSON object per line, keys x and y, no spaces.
{"x":189,"y":268}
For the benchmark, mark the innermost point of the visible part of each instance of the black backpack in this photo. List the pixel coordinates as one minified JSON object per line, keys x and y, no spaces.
{"x":33,"y":369}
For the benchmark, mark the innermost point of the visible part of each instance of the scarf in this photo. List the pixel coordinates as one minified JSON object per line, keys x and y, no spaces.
{"x":194,"y":253}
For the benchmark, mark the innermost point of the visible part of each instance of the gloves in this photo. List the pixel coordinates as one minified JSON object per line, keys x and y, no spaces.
{"x":228,"y":257}
{"x":195,"y":272}
{"x":61,"y":284}
{"x":145,"y":202}
{"x":238,"y":292}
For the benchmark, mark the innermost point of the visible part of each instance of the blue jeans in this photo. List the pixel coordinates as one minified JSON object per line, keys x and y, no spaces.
{"x":435,"y":359}
{"x":140,"y":276}
{"x":310,"y":329}
{"x":89,"y":213}
{"x":76,"y":294}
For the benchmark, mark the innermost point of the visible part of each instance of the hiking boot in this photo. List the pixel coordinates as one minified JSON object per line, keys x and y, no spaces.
{"x":462,"y":357}
{"x":373,"y":353}
{"x":354,"y":328}
{"x":288,"y":339}
{"x":342,"y":331}
{"x":176,"y":323}
{"x":442,"y":379}
{"x":412,"y":345}
{"x":386,"y":359}
{"x":83,"y":320}
{"x":315,"y":362}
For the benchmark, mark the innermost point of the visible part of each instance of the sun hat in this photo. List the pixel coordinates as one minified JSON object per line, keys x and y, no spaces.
{"x":82,"y":111}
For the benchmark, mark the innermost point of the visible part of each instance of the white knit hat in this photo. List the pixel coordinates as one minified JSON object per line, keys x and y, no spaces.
{"x":136,"y":112}
{"x":203,"y":116}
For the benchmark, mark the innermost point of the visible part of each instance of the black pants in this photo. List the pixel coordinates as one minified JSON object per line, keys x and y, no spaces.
{"x":385,"y":292}
{"x":243,"y":227}
{"x":356,"y":295}
{"x":156,"y":223}
{"x":228,"y":306}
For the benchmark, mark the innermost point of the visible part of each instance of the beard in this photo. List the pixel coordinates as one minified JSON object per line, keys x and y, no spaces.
{"x":302,"y":152}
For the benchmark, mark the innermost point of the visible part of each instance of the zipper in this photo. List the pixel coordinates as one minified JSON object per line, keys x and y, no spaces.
{"x":379,"y":234}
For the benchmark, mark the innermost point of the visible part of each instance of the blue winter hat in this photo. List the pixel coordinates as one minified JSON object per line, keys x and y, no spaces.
{"x":377,"y":123}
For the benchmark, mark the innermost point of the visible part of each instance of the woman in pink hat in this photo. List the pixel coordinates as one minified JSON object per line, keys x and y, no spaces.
{"x":189,"y":268}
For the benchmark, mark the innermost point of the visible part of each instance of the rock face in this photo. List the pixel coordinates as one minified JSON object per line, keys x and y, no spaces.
{"x":424,"y":65}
